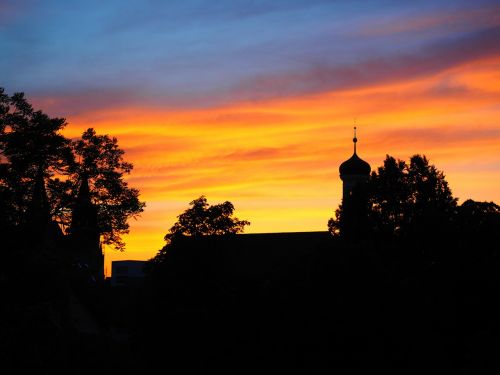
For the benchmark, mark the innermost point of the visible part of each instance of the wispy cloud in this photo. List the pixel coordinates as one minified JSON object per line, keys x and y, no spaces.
{"x":254,"y":101}
{"x":431,"y":59}
{"x":447,"y":21}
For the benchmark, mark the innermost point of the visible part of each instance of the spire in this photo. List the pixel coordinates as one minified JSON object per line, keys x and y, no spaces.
{"x":86,"y":248}
{"x":84,"y":191}
{"x":355,"y":140}
{"x":355,"y":165}
{"x":38,"y":210}
{"x":43,"y":231}
{"x":354,"y":174}
{"x":84,"y":212}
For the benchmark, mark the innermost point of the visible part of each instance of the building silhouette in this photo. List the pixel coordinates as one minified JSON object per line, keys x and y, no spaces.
{"x":354,"y":174}
{"x":265,"y":253}
{"x":284,"y":301}
{"x":80,"y":247}
{"x":128,"y":273}
{"x":41,"y":231}
{"x":84,"y":237}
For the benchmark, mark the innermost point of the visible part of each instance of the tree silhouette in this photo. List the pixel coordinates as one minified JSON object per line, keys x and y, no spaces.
{"x":100,"y":160}
{"x":478,"y":223}
{"x":389,"y":196}
{"x":31,"y":144}
{"x":334,"y":226}
{"x":405,"y":200}
{"x":202,"y":219}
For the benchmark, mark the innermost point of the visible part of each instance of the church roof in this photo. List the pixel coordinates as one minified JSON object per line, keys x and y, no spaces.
{"x":354,"y":166}
{"x":255,"y":254}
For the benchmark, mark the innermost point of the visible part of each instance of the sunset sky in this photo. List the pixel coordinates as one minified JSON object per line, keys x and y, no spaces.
{"x":254,"y":101}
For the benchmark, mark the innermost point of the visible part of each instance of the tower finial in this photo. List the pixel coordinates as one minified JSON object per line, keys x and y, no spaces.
{"x":355,"y":140}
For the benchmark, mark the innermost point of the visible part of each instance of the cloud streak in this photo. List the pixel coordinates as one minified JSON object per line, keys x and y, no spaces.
{"x":451,"y":21}
{"x":199,"y":54}
{"x":430,"y":60}
{"x":254,"y":102}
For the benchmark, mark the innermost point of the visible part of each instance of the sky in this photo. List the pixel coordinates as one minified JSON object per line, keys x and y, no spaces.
{"x":254,"y":101}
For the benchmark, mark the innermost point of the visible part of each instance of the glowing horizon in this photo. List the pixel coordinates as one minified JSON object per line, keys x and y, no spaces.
{"x":255,"y":103}
{"x":284,"y":178}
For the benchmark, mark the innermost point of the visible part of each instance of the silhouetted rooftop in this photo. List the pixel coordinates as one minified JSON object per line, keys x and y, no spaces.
{"x":354,"y":166}
{"x":254,"y":254}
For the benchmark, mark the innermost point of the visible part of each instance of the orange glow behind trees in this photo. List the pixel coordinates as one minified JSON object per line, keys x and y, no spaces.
{"x":277,"y":160}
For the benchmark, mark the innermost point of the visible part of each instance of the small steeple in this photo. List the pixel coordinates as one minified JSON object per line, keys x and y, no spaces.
{"x":84,"y":191}
{"x":355,"y":140}
{"x":354,"y":174}
{"x":84,"y":212}
{"x":84,"y":232}
{"x":355,"y":165}
{"x":38,"y":211}
{"x":43,"y":231}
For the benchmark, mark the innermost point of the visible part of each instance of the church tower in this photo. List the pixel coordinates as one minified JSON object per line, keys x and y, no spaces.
{"x":38,"y":211}
{"x":84,"y":232}
{"x":43,"y":231}
{"x":354,"y":174}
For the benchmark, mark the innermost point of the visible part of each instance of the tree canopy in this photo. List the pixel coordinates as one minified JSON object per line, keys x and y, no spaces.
{"x":32,"y":144}
{"x":203,"y":219}
{"x":405,"y":199}
{"x":100,"y":160}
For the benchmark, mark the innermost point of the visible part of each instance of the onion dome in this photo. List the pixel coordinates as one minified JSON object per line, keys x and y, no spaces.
{"x":355,"y":165}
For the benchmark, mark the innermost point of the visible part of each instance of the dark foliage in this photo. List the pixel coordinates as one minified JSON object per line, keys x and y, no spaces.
{"x":202,"y":219}
{"x":405,"y":200}
{"x":101,"y":160}
{"x":419,"y":295}
{"x":46,"y":286}
{"x":31,"y":144}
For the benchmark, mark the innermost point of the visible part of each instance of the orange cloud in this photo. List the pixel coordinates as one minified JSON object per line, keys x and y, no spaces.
{"x":277,"y":160}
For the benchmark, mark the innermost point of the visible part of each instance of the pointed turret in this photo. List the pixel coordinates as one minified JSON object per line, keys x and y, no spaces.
{"x":38,"y":212}
{"x":84,"y":232}
{"x":43,"y":231}
{"x":84,"y":212}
